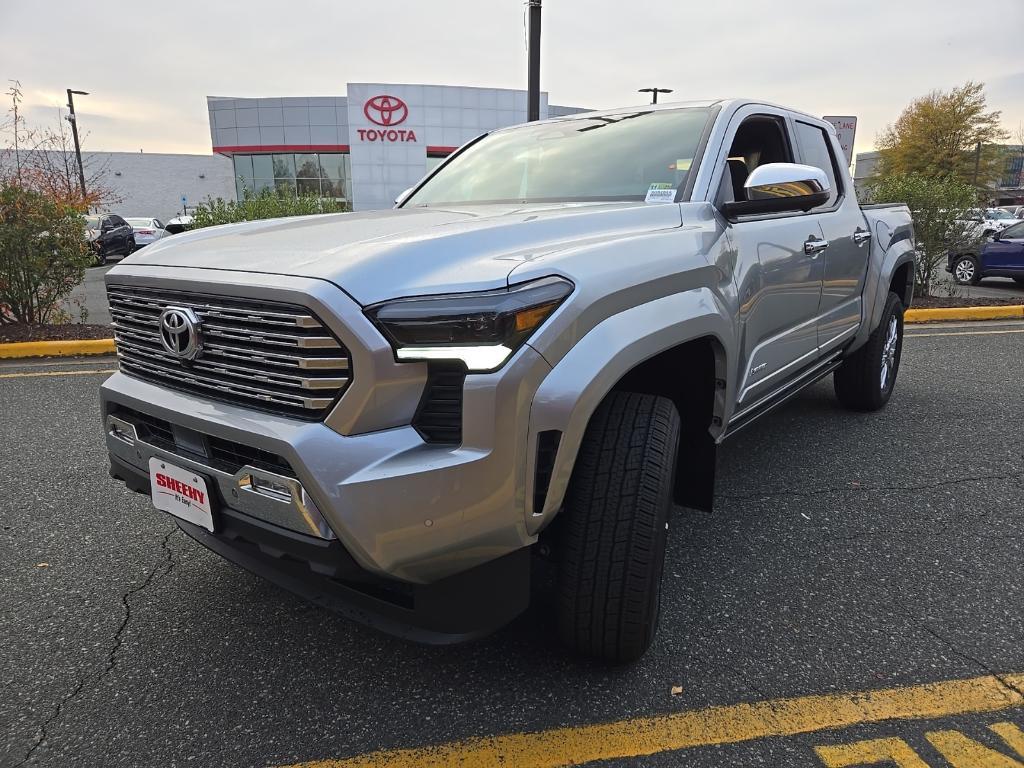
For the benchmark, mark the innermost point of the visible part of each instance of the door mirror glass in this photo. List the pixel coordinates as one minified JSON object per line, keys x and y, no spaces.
{"x":781,"y":187}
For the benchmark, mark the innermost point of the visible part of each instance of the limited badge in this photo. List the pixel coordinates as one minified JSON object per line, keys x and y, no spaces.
{"x":660,"y":192}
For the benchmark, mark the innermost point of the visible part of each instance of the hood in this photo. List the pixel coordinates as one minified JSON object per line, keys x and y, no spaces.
{"x":378,"y":255}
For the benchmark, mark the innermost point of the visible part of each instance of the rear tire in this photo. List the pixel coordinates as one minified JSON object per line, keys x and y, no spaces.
{"x":613,"y":528}
{"x":865,"y":380}
{"x":966,"y":271}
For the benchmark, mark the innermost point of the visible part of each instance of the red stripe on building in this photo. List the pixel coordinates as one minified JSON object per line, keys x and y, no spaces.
{"x":256,"y":148}
{"x":440,"y":150}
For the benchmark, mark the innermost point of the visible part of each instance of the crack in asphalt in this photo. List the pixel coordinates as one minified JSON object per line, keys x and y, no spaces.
{"x":1009,"y":686}
{"x":865,"y":488}
{"x":157,"y":573}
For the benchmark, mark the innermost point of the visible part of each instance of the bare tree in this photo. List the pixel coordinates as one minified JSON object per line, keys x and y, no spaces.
{"x":43,"y":159}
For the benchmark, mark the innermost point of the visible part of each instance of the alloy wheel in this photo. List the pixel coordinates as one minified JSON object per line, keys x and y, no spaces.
{"x":889,"y":352}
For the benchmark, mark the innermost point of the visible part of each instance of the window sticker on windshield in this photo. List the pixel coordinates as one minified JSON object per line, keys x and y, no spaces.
{"x":682,"y":164}
{"x":660,"y":192}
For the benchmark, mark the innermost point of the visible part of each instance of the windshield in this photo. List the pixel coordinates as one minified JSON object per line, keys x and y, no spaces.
{"x":92,"y":222}
{"x":995,"y":213}
{"x":608,"y":157}
{"x":140,"y":222}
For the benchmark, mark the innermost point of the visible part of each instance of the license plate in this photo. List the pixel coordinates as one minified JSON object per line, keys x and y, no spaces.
{"x":181,"y":492}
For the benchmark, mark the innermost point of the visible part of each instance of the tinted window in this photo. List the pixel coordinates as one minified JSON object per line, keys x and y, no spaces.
{"x":817,"y":151}
{"x":117,"y":221}
{"x":1014,"y":232}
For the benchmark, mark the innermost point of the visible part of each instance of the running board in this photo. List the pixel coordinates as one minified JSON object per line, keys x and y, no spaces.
{"x":777,"y":397}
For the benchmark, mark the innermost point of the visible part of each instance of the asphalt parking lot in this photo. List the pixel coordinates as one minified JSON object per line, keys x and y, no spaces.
{"x":855,"y":570}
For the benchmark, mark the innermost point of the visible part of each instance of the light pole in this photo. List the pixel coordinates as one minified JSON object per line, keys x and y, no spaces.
{"x":654,"y":93}
{"x":74,"y":132}
{"x":533,"y":63}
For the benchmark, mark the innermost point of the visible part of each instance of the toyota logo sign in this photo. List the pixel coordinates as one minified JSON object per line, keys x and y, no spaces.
{"x":179,"y":332}
{"x":385,"y":110}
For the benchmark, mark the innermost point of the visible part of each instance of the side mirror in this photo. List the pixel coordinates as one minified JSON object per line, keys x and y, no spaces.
{"x":401,"y":198}
{"x":781,"y":187}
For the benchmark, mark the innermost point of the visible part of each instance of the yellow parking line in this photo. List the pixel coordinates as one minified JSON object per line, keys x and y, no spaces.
{"x":704,"y":727}
{"x":966,"y":333}
{"x":55,"y":373}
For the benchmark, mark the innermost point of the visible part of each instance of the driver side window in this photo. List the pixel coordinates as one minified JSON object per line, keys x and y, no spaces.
{"x":760,"y":139}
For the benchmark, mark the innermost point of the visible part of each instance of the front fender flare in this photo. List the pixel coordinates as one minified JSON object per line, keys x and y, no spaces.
{"x":574,"y":388}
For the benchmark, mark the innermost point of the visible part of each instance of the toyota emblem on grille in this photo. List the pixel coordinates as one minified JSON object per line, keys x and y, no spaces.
{"x":179,"y":332}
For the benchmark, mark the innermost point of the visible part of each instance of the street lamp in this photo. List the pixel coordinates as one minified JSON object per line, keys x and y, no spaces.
{"x":654,"y":93}
{"x":74,"y":132}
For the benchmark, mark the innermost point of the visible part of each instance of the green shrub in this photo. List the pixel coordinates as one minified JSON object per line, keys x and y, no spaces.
{"x":267,"y":204}
{"x":939,"y":208}
{"x":43,"y":255}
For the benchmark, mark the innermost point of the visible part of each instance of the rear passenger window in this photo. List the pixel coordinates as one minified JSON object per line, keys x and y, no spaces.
{"x":816,"y":148}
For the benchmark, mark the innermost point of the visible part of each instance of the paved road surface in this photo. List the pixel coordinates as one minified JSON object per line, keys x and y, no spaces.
{"x":847,"y":553}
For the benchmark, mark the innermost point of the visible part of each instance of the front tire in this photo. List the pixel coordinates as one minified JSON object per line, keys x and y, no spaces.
{"x":614,"y":527}
{"x":865,"y":380}
{"x":966,"y":271}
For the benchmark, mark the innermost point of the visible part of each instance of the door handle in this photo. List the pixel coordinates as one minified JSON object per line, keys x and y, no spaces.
{"x":813,"y":246}
{"x":861,"y":236}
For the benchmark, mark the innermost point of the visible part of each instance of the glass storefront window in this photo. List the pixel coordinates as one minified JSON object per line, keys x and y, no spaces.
{"x":243,"y":166}
{"x":263,"y":166}
{"x":308,"y":187}
{"x":307,"y":167}
{"x":324,"y":174}
{"x":284,"y":166}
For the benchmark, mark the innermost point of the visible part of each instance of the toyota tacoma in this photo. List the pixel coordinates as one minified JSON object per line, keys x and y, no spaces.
{"x":535,"y":353}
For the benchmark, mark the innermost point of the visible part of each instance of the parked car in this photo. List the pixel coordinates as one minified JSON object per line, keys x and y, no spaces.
{"x":536,"y":353}
{"x":1002,"y":256}
{"x":147,"y":230}
{"x":996,"y":220}
{"x":178,"y":224}
{"x":1017,"y":211}
{"x":109,"y":235}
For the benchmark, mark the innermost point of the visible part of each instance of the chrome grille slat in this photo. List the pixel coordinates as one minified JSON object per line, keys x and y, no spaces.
{"x":231,"y":369}
{"x":180,"y":300}
{"x":276,"y":357}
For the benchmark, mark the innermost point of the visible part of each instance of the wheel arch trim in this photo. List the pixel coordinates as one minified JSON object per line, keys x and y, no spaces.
{"x":569,"y":395}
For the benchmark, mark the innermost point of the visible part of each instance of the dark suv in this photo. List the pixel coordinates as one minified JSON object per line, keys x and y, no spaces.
{"x":1002,"y":256}
{"x":109,"y":235}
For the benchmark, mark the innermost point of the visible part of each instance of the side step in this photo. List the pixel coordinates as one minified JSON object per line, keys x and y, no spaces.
{"x":777,"y":397}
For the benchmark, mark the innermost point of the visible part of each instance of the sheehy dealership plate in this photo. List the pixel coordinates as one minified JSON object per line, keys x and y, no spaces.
{"x":181,"y":492}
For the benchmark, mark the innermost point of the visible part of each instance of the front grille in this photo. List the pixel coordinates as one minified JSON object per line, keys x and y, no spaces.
{"x":275,"y":357}
{"x":226,"y":455}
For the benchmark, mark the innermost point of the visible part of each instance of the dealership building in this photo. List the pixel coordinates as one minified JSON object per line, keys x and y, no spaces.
{"x":365,"y":147}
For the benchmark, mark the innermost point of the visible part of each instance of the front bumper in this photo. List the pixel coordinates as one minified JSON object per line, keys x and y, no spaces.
{"x":463,"y":607}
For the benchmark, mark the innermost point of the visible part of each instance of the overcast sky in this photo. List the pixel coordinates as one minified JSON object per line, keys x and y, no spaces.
{"x":150,"y":65}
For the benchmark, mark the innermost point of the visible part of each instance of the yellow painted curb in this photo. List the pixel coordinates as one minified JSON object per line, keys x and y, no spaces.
{"x":1005,"y":312}
{"x":75,"y":347}
{"x":69,"y":348}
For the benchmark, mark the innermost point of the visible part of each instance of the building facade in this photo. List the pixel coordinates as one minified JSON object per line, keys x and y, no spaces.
{"x":366,"y":147}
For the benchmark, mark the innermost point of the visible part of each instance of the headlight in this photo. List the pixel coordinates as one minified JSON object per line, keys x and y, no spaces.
{"x":480,"y":329}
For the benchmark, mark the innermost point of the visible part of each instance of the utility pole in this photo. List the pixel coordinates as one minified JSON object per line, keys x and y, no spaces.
{"x":74,"y":132}
{"x":533,"y":67}
{"x":977,"y":162}
{"x":654,"y":93}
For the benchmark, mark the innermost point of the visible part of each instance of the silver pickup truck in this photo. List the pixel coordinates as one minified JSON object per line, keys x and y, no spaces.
{"x":535,"y":353}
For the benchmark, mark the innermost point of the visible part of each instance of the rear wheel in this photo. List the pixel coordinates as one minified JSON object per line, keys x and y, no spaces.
{"x":965,"y":271}
{"x":614,"y":527}
{"x":129,"y":247}
{"x":865,"y":380}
